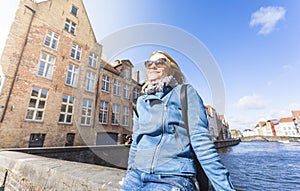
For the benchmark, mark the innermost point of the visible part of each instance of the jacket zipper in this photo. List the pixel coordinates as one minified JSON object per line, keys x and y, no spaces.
{"x":160,"y":142}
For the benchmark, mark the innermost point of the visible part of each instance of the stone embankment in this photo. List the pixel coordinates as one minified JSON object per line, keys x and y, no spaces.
{"x":271,"y":139}
{"x":94,"y":168}
{"x":21,"y":171}
{"x":226,"y":143}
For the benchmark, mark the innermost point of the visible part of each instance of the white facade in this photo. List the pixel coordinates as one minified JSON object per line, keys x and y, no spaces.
{"x":248,"y":133}
{"x":287,"y":129}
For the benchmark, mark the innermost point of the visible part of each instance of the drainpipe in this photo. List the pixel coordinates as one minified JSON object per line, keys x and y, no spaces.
{"x":97,"y":93}
{"x":18,"y":65}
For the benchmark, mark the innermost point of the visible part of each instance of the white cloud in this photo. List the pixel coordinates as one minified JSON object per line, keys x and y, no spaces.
{"x":267,"y":18}
{"x":241,"y":122}
{"x":252,"y":102}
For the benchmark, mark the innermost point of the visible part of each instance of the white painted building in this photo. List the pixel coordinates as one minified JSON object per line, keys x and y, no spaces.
{"x":287,"y":127}
{"x":248,"y":133}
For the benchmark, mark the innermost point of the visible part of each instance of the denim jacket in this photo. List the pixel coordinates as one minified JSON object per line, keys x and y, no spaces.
{"x":161,"y":144}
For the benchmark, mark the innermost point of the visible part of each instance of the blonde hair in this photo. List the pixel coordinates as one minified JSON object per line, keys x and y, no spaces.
{"x":178,"y":75}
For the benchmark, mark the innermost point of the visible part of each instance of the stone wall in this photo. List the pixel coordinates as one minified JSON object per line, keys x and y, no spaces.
{"x":30,"y":172}
{"x":110,"y":155}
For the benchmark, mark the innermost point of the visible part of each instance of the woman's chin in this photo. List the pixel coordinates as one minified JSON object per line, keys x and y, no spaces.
{"x":152,"y":78}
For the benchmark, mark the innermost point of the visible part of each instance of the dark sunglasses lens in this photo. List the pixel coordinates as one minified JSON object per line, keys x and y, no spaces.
{"x":158,"y":62}
{"x":148,"y":63}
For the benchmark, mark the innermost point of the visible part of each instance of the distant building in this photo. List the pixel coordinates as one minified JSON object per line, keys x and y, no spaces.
{"x":218,"y":127}
{"x":287,"y":127}
{"x":235,"y":133}
{"x":258,"y":129}
{"x":296,"y":116}
{"x":55,"y":89}
{"x":248,"y":133}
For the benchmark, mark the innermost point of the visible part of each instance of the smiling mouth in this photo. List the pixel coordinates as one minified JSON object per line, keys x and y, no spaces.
{"x":153,"y":71}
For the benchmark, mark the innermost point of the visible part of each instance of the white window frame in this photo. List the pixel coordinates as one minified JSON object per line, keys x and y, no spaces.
{"x":117,"y":87}
{"x":105,"y":83}
{"x":86,"y":112}
{"x":51,"y":40}
{"x":70,"y":26}
{"x":90,"y":81}
{"x":127,"y":73}
{"x":126,"y":92}
{"x":103,"y":114}
{"x":125,"y":121}
{"x":68,"y":112}
{"x":46,"y":65}
{"x":115,"y":117}
{"x":76,"y":52}
{"x":93,"y":59}
{"x":36,"y":111}
{"x":72,"y":75}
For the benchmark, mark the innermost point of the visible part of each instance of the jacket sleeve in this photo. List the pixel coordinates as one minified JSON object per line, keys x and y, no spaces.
{"x":204,"y":148}
{"x":133,"y":146}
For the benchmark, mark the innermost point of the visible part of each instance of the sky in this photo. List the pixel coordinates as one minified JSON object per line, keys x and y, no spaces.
{"x":242,"y":57}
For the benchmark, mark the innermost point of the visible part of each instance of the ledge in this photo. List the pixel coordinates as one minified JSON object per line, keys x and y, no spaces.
{"x":25,"y":171}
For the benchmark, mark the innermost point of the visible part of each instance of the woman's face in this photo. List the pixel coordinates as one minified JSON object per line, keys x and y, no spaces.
{"x":157,"y":67}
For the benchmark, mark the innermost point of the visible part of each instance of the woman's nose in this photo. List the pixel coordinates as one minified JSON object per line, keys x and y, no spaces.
{"x":152,"y":65}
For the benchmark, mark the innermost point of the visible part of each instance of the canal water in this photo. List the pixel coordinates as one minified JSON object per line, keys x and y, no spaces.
{"x":265,"y":166}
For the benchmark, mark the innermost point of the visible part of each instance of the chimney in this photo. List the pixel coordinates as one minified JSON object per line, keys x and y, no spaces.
{"x":137,"y":76}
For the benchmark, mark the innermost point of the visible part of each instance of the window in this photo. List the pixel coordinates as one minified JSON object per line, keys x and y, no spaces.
{"x":127,"y":73}
{"x":76,"y":51}
{"x":45,"y":67}
{"x":105,"y":83}
{"x":117,"y":85}
{"x":86,"y":113}
{"x":90,"y":81}
{"x":36,"y":140}
{"x":135,"y":93}
{"x":72,"y":75}
{"x":74,"y":10}
{"x":70,"y":139}
{"x":125,"y":116}
{"x":93,"y":60}
{"x":126,"y":91}
{"x":115,"y":114}
{"x":51,"y":39}
{"x":66,"y":111}
{"x":103,"y":115}
{"x":37,"y":104}
{"x":70,"y":26}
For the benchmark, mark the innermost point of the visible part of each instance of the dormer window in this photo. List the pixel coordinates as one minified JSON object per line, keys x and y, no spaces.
{"x":74,"y":11}
{"x":70,"y":26}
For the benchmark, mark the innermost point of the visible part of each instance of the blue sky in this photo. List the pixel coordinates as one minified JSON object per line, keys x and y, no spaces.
{"x":255,"y":45}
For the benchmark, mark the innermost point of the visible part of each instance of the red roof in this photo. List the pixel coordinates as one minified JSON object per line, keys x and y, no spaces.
{"x":285,"y":120}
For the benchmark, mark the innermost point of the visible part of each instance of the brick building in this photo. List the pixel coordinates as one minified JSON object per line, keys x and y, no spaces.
{"x":52,"y":80}
{"x":218,"y":127}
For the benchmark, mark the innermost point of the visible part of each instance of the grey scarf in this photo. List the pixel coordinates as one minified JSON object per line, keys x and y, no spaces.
{"x":158,"y":85}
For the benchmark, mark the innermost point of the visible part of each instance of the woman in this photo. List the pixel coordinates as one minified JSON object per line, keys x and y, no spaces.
{"x":160,"y":156}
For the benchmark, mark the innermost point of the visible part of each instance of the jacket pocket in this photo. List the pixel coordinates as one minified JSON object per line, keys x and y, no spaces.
{"x":177,"y":138}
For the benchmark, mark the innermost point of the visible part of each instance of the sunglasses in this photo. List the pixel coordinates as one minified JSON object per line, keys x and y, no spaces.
{"x":158,"y":63}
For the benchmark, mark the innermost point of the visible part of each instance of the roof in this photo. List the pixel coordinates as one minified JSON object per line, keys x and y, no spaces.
{"x":287,"y":119}
{"x":296,"y":113}
{"x":106,"y":65}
